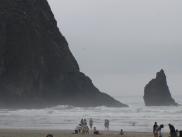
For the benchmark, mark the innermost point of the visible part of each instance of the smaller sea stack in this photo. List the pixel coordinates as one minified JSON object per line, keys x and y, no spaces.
{"x":157,"y":93}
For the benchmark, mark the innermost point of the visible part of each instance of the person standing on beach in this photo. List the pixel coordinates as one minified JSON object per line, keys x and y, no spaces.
{"x":155,"y":127}
{"x":106,"y":124}
{"x":85,"y":122}
{"x":91,"y":123}
{"x":82,"y":122}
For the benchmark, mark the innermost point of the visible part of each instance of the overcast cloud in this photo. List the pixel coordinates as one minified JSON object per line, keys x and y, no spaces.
{"x":121,"y":44}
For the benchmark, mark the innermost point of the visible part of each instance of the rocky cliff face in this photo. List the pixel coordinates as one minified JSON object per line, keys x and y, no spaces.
{"x":37,"y":68}
{"x":156,"y":92}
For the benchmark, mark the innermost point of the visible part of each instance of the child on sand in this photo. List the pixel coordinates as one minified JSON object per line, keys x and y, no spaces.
{"x":96,"y":132}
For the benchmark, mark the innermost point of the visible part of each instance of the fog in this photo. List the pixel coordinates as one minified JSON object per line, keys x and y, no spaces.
{"x":122,"y":44}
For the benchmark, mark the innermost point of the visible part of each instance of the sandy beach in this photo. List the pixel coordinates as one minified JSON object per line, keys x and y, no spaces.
{"x":66,"y":133}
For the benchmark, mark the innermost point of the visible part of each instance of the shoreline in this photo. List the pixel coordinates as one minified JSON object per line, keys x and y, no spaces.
{"x":67,"y":133}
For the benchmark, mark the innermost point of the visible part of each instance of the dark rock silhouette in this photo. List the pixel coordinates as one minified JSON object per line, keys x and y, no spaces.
{"x":37,"y":68}
{"x":156,"y":92}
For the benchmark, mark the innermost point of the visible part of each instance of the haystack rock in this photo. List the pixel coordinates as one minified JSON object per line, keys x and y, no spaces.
{"x":37,"y":68}
{"x":156,"y":92}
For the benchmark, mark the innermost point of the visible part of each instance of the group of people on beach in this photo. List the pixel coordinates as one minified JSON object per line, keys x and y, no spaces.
{"x":83,"y":127}
{"x":157,"y":130}
{"x":173,"y":132}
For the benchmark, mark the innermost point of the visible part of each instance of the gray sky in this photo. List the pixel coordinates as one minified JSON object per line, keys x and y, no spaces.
{"x":121,"y":44}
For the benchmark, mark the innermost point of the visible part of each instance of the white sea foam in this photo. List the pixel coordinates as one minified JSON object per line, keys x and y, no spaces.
{"x":137,"y":117}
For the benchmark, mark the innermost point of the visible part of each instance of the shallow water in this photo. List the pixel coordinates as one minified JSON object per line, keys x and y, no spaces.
{"x":136,"y":117}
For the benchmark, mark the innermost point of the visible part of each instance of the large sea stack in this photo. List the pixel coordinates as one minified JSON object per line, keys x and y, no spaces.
{"x":37,"y":68}
{"x":156,"y":92}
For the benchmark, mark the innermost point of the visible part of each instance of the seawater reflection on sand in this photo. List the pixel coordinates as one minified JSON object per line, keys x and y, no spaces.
{"x":137,"y":117}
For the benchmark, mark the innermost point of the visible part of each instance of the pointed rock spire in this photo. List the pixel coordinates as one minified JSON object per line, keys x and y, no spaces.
{"x":156,"y":92}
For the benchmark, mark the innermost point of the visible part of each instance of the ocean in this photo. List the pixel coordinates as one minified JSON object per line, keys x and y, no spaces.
{"x":137,"y":117}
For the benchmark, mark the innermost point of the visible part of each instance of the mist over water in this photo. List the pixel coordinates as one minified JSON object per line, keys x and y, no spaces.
{"x":123,"y":42}
{"x":136,"y":117}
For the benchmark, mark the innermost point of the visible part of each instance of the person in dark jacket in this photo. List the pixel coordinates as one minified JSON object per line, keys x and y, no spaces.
{"x":172,"y":131}
{"x":155,"y":127}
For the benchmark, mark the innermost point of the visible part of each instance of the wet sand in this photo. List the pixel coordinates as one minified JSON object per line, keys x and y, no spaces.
{"x":67,"y":133}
